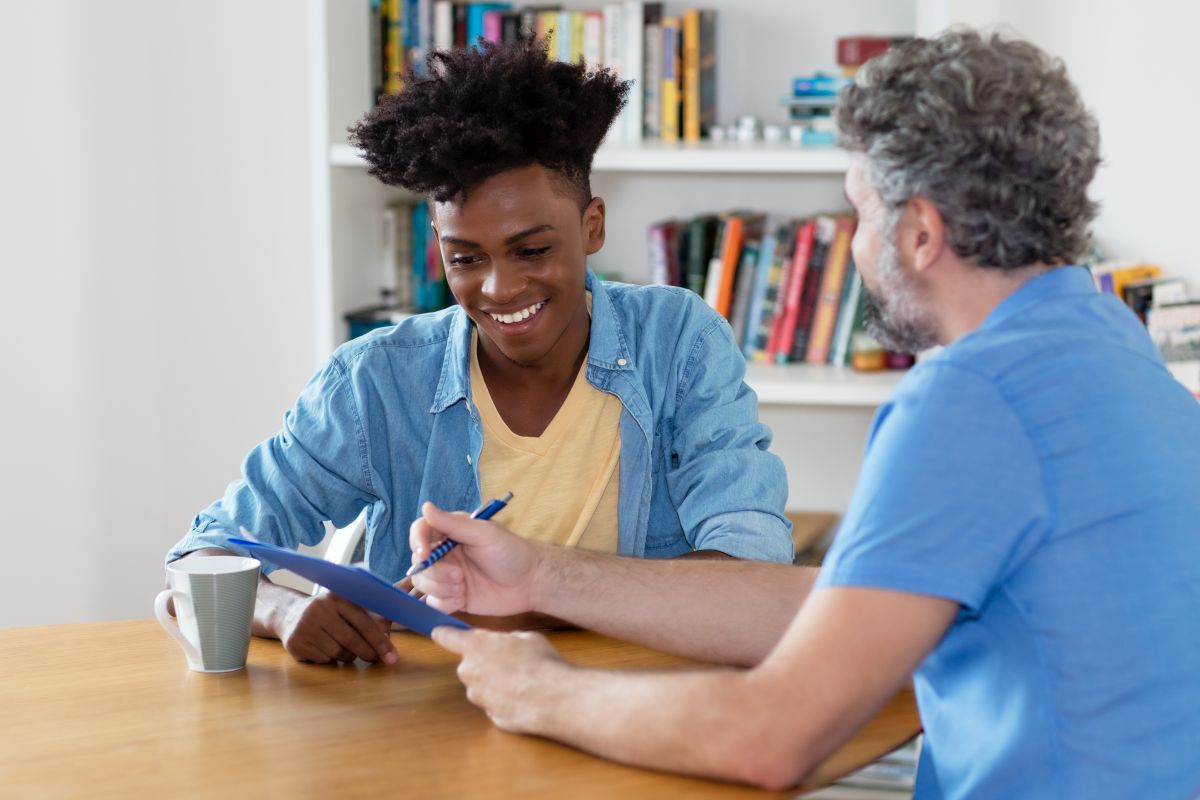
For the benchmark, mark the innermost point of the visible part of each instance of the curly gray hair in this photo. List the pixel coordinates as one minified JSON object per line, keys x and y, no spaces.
{"x":991,"y":131}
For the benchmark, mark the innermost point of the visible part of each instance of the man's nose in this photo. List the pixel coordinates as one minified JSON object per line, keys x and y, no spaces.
{"x":503,"y":284}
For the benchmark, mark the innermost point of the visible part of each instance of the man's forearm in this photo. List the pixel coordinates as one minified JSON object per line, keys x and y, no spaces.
{"x":702,"y":722}
{"x":718,"y":611}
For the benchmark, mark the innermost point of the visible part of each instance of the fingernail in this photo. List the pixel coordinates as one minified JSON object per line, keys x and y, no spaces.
{"x":389,"y":657}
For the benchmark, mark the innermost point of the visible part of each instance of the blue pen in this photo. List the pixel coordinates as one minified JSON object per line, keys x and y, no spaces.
{"x":486,"y":511}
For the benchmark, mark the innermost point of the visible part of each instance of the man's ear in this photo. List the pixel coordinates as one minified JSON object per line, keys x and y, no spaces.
{"x":593,"y":226}
{"x":923,"y":233}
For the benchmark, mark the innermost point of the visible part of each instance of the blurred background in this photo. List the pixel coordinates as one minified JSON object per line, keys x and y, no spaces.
{"x":165,"y":241}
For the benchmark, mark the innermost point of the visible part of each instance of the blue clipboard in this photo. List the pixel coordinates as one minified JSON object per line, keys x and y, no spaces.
{"x":359,"y":586}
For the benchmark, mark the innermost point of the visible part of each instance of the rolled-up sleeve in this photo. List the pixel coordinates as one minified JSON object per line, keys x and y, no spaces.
{"x":315,"y":469}
{"x":730,"y":491}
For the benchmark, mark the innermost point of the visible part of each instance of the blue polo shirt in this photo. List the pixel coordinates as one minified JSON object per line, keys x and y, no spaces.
{"x":1043,"y":472}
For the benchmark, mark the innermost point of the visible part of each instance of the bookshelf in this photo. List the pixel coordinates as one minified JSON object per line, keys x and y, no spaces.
{"x":702,"y":157}
{"x":820,"y":415}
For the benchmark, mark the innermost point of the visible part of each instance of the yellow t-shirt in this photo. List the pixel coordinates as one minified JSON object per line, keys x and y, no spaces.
{"x":564,"y":482}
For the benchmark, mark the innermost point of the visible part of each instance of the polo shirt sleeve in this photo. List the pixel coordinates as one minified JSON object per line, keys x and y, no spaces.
{"x":728,"y":490}
{"x":951,"y":496}
{"x":315,"y":469}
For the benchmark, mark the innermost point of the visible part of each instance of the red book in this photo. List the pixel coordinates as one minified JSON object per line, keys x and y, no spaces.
{"x":785,"y":323}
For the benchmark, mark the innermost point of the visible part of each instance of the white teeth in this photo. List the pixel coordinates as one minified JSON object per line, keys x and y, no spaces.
{"x":520,"y":316}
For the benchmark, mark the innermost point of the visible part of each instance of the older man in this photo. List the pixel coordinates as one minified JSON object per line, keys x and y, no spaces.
{"x":1024,"y":531}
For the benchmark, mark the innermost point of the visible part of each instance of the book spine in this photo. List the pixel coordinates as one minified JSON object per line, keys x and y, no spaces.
{"x":712,"y":275}
{"x":758,"y":287}
{"x":652,"y":72}
{"x":562,"y":37}
{"x":632,"y":15}
{"x":731,"y":256}
{"x":691,"y":75}
{"x":785,"y":329}
{"x":822,"y":240}
{"x":656,"y":244}
{"x":845,"y":325}
{"x":614,"y":41}
{"x":743,"y":290}
{"x":378,"y":69}
{"x":393,"y":47}
{"x":593,"y":39}
{"x":443,"y":25}
{"x":829,"y":296}
{"x":708,"y":71}
{"x":669,"y":96}
{"x":460,"y":25}
{"x":785,"y":244}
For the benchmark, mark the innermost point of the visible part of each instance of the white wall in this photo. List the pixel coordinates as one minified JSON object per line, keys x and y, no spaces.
{"x":1133,"y":64}
{"x":155,"y":289}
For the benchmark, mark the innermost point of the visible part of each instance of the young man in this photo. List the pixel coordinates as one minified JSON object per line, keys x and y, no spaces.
{"x":1024,"y":533}
{"x":616,"y":414}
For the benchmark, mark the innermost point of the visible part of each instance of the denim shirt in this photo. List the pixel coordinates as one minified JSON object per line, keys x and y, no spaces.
{"x":389,"y":423}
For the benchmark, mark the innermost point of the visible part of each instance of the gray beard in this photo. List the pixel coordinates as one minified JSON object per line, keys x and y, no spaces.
{"x":894,"y":317}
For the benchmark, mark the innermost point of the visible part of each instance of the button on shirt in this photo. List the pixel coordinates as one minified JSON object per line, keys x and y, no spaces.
{"x":1044,"y":473}
{"x":388,"y":424}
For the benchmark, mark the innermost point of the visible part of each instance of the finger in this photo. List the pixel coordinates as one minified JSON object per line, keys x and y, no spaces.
{"x":453,"y":639}
{"x":348,"y":639}
{"x":446,"y":582}
{"x":370,"y":631}
{"x":421,"y":539}
{"x":459,"y":527}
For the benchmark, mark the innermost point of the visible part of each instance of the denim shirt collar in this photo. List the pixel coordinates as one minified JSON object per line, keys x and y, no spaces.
{"x":607,"y":347}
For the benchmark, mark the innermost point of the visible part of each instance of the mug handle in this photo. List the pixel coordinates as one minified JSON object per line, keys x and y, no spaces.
{"x":171,"y":627}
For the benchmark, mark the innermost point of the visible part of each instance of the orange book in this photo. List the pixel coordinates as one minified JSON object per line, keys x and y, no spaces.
{"x":830,"y":296}
{"x":731,"y":254}
{"x":691,"y":75}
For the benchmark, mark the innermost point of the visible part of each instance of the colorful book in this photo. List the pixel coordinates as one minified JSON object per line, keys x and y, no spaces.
{"x":822,"y":240}
{"x":829,"y":294}
{"x":852,"y":286}
{"x":787,"y":308}
{"x":702,"y":233}
{"x":652,"y":71}
{"x":708,"y":71}
{"x":669,"y":97}
{"x":758,"y":286}
{"x":785,"y":245}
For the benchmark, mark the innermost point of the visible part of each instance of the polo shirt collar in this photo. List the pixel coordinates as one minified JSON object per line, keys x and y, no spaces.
{"x":1057,"y":282}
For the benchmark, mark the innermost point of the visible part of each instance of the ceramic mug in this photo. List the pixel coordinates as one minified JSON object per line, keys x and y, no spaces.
{"x":214,"y":605}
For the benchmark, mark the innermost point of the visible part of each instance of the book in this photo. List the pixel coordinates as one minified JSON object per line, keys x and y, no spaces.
{"x":840,"y":352}
{"x":634,"y":45}
{"x":702,"y":233}
{"x":1111,"y":276}
{"x":829,"y":294}
{"x":691,"y":75}
{"x":614,"y":59}
{"x":393,"y":46}
{"x":824,"y":229}
{"x":758,"y":286}
{"x":723,"y":271}
{"x":378,"y":65}
{"x":752,"y":239}
{"x":662,"y":252}
{"x":593,"y":39}
{"x":652,"y":71}
{"x":787,"y":303}
{"x":708,"y":71}
{"x":460,"y":25}
{"x":785,"y":245}
{"x":1142,"y":295}
{"x":669,"y":97}
{"x":443,"y":25}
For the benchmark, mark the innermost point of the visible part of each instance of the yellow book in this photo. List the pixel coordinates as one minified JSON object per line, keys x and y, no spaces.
{"x":576,"y":37}
{"x":669,"y":95}
{"x":691,"y":75}
{"x":393,"y":47}
{"x":547,"y":22}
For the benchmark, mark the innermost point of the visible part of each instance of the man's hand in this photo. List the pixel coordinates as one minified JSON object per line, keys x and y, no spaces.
{"x":502,"y":670}
{"x":491,"y":571}
{"x":329,"y":628}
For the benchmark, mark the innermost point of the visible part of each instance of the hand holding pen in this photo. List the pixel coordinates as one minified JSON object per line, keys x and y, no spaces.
{"x":485,"y":511}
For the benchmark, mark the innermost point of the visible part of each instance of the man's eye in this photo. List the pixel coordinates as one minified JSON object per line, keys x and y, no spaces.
{"x":462,"y":261}
{"x":533,"y":252}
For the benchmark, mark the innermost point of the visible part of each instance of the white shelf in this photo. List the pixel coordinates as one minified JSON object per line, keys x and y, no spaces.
{"x":806,"y":384}
{"x":701,"y":157}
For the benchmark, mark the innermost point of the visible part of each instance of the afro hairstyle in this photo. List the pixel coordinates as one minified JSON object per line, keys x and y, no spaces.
{"x":481,"y":111}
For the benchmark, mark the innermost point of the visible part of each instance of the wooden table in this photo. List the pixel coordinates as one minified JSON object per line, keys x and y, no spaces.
{"x":110,"y":710}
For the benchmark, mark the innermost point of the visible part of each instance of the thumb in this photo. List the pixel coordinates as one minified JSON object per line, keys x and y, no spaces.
{"x":450,"y":638}
{"x":459,"y":527}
